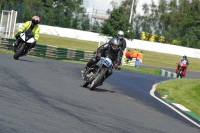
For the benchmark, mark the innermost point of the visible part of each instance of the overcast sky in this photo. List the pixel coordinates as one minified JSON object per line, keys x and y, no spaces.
{"x":105,"y":4}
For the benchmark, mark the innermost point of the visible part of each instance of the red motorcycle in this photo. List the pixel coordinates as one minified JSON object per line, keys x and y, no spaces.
{"x":181,"y":69}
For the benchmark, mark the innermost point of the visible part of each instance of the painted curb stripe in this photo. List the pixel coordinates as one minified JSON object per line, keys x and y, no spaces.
{"x":167,"y":73}
{"x":181,"y":107}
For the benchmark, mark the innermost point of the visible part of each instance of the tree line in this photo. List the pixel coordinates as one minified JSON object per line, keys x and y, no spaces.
{"x":175,"y":20}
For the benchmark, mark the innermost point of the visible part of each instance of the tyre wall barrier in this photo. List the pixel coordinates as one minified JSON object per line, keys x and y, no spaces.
{"x":47,"y":51}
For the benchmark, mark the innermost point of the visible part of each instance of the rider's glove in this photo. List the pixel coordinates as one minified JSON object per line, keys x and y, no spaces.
{"x":98,"y":56}
{"x":116,"y":66}
{"x":17,"y":35}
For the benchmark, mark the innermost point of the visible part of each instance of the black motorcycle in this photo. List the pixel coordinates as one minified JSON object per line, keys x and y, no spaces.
{"x":95,"y":75}
{"x":25,"y":41}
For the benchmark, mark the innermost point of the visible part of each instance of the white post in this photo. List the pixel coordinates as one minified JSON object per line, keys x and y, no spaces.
{"x":7,"y":26}
{"x":11,"y":15}
{"x":14,"y":24}
{"x":131,"y":13}
{"x":1,"y":22}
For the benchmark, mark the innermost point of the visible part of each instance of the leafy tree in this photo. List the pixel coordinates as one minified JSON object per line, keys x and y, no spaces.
{"x":115,"y":22}
{"x":85,"y":23}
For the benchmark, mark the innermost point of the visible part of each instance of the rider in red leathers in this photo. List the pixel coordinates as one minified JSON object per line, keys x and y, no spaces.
{"x":184,"y":61}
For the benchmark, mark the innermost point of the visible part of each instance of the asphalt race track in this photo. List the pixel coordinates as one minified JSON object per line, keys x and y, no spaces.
{"x":44,"y":96}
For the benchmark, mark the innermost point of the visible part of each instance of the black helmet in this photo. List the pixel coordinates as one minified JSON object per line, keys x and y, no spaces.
{"x":185,"y":56}
{"x":114,"y":44}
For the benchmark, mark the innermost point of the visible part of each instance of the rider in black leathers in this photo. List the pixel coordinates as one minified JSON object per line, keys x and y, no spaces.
{"x":111,"y":50}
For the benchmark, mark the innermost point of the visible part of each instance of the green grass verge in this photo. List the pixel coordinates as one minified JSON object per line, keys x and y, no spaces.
{"x":153,"y":71}
{"x":183,"y":91}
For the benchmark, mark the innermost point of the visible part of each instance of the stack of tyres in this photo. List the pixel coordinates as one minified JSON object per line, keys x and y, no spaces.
{"x":10,"y":43}
{"x":61,"y":53}
{"x":40,"y":50}
{"x":79,"y":55}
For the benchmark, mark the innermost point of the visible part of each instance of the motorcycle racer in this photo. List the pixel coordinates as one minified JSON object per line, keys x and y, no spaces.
{"x":111,"y":50}
{"x":31,"y":27}
{"x":184,"y":61}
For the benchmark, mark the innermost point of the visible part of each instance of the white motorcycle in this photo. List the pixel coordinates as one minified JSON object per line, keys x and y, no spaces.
{"x":26,"y":39}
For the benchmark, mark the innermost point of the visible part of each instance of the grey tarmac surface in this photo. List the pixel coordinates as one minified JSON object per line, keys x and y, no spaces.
{"x":44,"y":96}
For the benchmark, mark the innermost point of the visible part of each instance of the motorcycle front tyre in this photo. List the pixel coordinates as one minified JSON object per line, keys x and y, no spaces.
{"x":179,"y":74}
{"x":98,"y":79}
{"x":85,"y":84}
{"x":19,"y":52}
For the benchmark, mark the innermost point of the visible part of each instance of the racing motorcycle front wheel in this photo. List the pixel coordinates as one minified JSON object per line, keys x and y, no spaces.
{"x":19,"y":51}
{"x":98,"y":79}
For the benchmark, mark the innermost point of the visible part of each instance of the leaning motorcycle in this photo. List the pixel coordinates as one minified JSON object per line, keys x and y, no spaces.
{"x":95,"y":75}
{"x":180,"y":69}
{"x":25,"y":41}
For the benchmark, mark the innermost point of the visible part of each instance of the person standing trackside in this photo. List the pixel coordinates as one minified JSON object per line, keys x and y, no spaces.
{"x":134,"y":53}
{"x":139,"y":59}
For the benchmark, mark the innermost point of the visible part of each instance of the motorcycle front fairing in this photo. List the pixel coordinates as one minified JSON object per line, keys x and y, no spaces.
{"x":27,"y":37}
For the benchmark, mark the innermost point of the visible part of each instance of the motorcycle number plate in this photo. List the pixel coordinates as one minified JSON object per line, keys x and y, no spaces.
{"x":107,"y":62}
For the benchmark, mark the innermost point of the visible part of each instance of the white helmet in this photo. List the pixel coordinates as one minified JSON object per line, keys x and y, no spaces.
{"x":120,"y":34}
